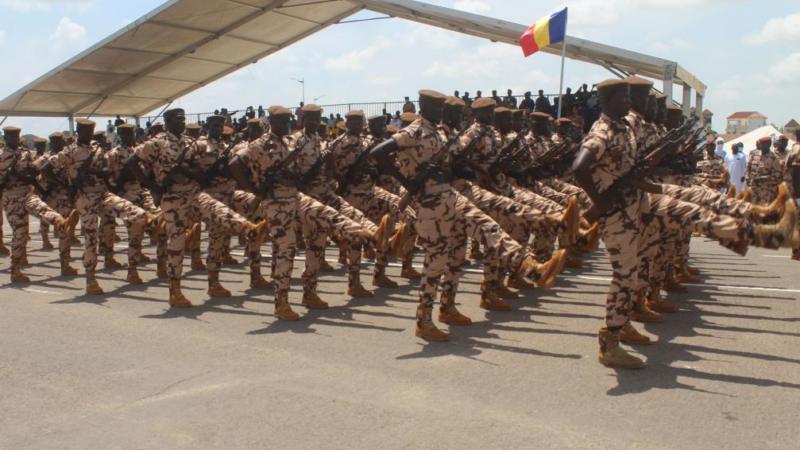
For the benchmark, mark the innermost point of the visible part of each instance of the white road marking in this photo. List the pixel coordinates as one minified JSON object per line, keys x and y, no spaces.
{"x":776,"y":256}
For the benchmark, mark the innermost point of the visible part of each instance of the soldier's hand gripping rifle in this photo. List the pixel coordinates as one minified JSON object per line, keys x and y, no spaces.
{"x":220,"y":166}
{"x":359,"y":165}
{"x":439,"y":158}
{"x":277,"y":174}
{"x":169,"y":178}
{"x":508,"y":153}
{"x":82,"y":178}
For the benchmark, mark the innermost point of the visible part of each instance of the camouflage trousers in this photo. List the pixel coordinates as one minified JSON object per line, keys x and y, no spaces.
{"x":543,"y":242}
{"x":763,"y":192}
{"x":621,"y":234}
{"x":571,"y":190}
{"x":281,"y":212}
{"x":219,"y":236}
{"x":92,"y":206}
{"x":501,"y":250}
{"x":329,"y":198}
{"x":141,"y":197}
{"x":711,"y":199}
{"x":182,"y":209}
{"x":377,"y":203}
{"x":540,"y":188}
{"x":62,"y":205}
{"x":435,"y":224}
{"x":19,"y":204}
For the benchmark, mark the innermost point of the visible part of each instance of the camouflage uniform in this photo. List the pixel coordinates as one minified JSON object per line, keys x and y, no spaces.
{"x":764,"y":173}
{"x":792,"y":161}
{"x":60,"y":200}
{"x":708,"y":171}
{"x":184,"y":203}
{"x":93,"y":200}
{"x":19,"y":201}
{"x":132,"y":191}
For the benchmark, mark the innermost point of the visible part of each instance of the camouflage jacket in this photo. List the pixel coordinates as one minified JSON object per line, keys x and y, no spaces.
{"x":764,"y":171}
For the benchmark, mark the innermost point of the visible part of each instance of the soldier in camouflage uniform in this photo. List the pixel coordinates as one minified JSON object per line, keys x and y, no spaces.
{"x":175,"y":160}
{"x":764,"y":172}
{"x":17,"y":175}
{"x":40,"y":145}
{"x":711,"y":171}
{"x":793,"y":173}
{"x":129,"y":188}
{"x":439,"y":206}
{"x":86,"y":168}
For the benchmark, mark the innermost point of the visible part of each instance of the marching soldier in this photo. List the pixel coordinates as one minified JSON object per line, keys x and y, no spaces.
{"x":176,"y":189}
{"x":793,"y":172}
{"x":764,"y":172}
{"x":40,"y":145}
{"x":19,"y":200}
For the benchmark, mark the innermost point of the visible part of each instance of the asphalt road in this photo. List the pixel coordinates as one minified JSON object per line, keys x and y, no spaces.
{"x":124,"y":371}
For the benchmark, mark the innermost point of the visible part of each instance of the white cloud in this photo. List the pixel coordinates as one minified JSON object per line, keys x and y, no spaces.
{"x":355,"y":61}
{"x":785,"y":70}
{"x":46,"y":5}
{"x":781,"y":29}
{"x":728,"y":89}
{"x":431,"y":37}
{"x":669,"y":45}
{"x":473,"y":6}
{"x":67,"y":32}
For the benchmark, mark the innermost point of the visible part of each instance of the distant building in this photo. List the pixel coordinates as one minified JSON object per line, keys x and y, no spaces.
{"x":790,"y":127}
{"x":744,"y":122}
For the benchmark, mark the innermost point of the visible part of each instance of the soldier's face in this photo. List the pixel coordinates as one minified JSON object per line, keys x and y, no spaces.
{"x":176,"y":124}
{"x":85,"y":134}
{"x":215,"y":129}
{"x":620,"y":103}
{"x":516,"y":124}
{"x":563,"y":129}
{"x":40,"y":148}
{"x":279,"y":125}
{"x":504,"y":123}
{"x":127,"y":137}
{"x":355,"y":125}
{"x":639,"y":100}
{"x":652,"y":109}
{"x":430,"y":110}
{"x":764,"y":146}
{"x":781,"y":145}
{"x":452,"y":116}
{"x":311,"y":123}
{"x":56,"y":145}
{"x":485,"y":116}
{"x":541,"y":127}
{"x":254,"y":132}
{"x":12,"y":140}
{"x":673,"y":121}
{"x":377,"y":128}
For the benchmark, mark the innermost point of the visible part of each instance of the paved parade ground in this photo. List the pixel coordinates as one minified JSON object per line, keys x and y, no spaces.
{"x":124,"y":371}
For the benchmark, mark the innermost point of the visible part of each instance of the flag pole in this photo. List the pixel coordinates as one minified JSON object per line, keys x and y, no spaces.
{"x":563,"y":57}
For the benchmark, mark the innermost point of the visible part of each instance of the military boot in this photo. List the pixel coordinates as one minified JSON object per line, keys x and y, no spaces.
{"x":503,"y":291}
{"x":161,"y":269}
{"x":66,"y":269}
{"x":641,"y":313}
{"x":325,"y":266}
{"x":544,"y":275}
{"x":197,"y":261}
{"x":571,"y":261}
{"x":589,"y":239}
{"x":143,"y":259}
{"x":257,"y":281}
{"x":611,"y":354}
{"x":691,"y":269}
{"x":796,"y":255}
{"x":475,"y":252}
{"x":283,"y":310}
{"x":192,"y":235}
{"x":571,"y":220}
{"x":312,"y":301}
{"x":671,"y":284}
{"x":379,"y":279}
{"x":3,"y":249}
{"x":255,"y":232}
{"x":655,"y":302}
{"x":631,"y":335}
{"x":133,"y":276}
{"x":425,"y":328}
{"x":357,"y":290}
{"x":399,"y":241}
{"x":215,"y":289}
{"x":92,"y":286}
{"x":682,"y":274}
{"x":176,"y":297}
{"x":489,"y":299}
{"x":448,"y":313}
{"x":46,"y":244}
{"x":109,"y":262}
{"x":229,"y":260}
{"x":517,"y":282}
{"x":17,"y":276}
{"x":409,"y":272}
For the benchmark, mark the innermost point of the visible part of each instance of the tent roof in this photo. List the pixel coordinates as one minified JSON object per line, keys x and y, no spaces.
{"x":184,"y":45}
{"x":749,"y":139}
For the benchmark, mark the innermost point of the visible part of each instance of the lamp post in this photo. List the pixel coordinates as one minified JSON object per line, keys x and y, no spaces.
{"x":303,"y":82}
{"x":317,"y":98}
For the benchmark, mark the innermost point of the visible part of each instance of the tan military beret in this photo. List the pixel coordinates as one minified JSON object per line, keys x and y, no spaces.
{"x":227,"y":131}
{"x":563,"y":120}
{"x":612,"y":85}
{"x":277,"y":111}
{"x":454,"y":102}
{"x":157,"y":128}
{"x":12,"y":130}
{"x":674,"y":110}
{"x":174,"y":112}
{"x":216,"y":118}
{"x":127,"y":127}
{"x":353,"y":114}
{"x":639,"y":84}
{"x":429,"y":94}
{"x":661,"y":98}
{"x":98,"y":134}
{"x":482,"y":103}
{"x":518,"y":112}
{"x":38,"y":140}
{"x":502,"y":111}
{"x":56,"y":135}
{"x":538,"y":115}
{"x":377,"y":119}
{"x":408,"y":117}
{"x":392,"y":129}
{"x":341,"y":126}
{"x":192,"y":126}
{"x":85,"y":123}
{"x":255,"y":122}
{"x":312,"y":109}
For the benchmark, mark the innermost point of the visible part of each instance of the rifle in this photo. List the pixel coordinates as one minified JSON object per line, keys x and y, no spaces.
{"x":437,"y":160}
{"x":654,"y":155}
{"x":314,"y":170}
{"x":219,"y":168}
{"x":82,"y":179}
{"x":507,"y":152}
{"x":168,"y":180}
{"x":273,"y":175}
{"x":356,"y":167}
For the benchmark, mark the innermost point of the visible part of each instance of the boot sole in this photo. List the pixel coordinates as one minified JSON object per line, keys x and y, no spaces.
{"x":617,"y":366}
{"x":428,"y":338}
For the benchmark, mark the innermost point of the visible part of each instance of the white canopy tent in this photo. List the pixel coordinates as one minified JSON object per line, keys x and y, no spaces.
{"x":184,"y":45}
{"x":749,"y":139}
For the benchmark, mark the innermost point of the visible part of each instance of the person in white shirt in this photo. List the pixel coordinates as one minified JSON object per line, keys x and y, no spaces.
{"x":737,"y":164}
{"x":720,"y":150}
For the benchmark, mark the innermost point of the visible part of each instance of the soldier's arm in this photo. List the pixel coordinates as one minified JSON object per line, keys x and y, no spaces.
{"x":239,"y":171}
{"x":133,"y":164}
{"x":582,"y":170}
{"x":382,"y":155}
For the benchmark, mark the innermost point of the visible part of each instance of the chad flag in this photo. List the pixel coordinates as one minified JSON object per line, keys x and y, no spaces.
{"x":548,"y":30}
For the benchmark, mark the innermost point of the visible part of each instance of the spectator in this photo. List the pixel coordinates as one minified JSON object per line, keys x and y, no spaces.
{"x":478,"y":95}
{"x":542,"y":103}
{"x":568,"y":100}
{"x":260,"y":111}
{"x":510,"y":100}
{"x":147,"y":128}
{"x":497,"y":98}
{"x":388,"y":116}
{"x":456,"y":94}
{"x":582,"y":95}
{"x":110,"y":132}
{"x":527,"y":102}
{"x":140,"y":133}
{"x":396,"y":122}
{"x":737,"y":165}
{"x":720,"y":148}
{"x":119,"y":121}
{"x":299,"y":114}
{"x":408,"y":106}
{"x":466,"y":99}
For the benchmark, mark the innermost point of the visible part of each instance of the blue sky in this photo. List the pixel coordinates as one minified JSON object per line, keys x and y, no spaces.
{"x":747,"y":52}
